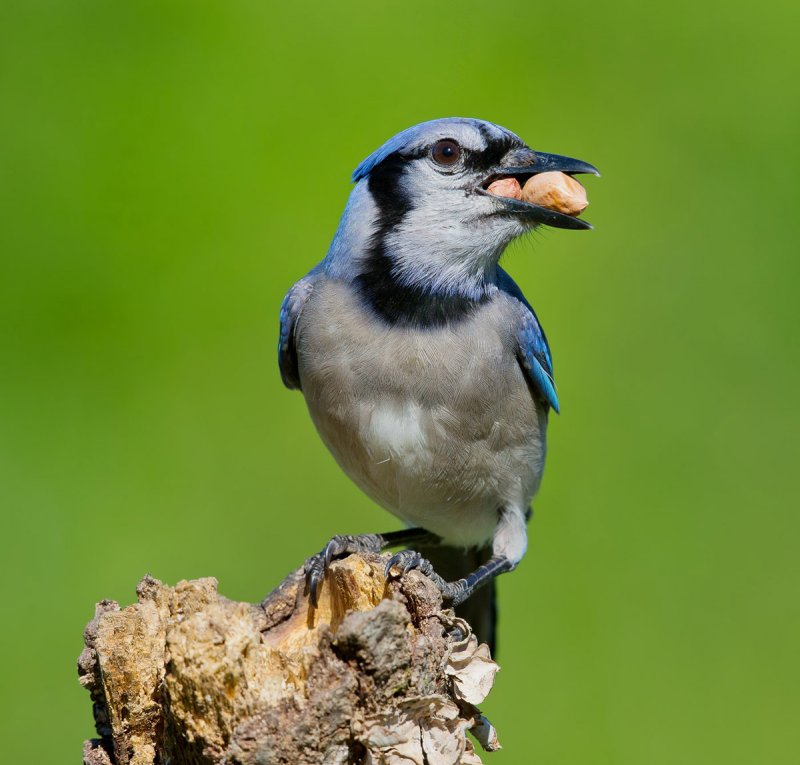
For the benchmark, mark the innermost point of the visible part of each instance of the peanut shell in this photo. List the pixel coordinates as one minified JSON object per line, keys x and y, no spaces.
{"x":505,"y":187}
{"x":555,"y":191}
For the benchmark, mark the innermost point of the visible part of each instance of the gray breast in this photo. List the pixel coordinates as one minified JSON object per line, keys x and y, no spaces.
{"x":438,"y":425}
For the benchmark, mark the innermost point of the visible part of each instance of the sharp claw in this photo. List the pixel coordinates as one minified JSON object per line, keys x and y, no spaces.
{"x":315,"y":576}
{"x":313,"y":586}
{"x":393,"y":561}
{"x":405,"y":561}
{"x":337,"y":546}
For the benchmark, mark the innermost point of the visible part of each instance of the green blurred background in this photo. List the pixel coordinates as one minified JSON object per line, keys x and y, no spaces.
{"x":168,"y":169}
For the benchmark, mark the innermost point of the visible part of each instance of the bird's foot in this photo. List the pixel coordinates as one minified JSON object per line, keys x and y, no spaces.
{"x":452,"y":592}
{"x":406,"y":560}
{"x":317,"y":566}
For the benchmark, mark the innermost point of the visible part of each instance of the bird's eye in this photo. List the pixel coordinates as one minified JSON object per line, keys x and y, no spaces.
{"x":446,"y":152}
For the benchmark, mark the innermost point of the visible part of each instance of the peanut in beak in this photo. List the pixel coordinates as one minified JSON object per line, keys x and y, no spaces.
{"x":554,"y":191}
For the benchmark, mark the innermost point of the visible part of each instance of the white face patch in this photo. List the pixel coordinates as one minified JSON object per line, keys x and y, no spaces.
{"x":450,"y":242}
{"x":451,"y":238}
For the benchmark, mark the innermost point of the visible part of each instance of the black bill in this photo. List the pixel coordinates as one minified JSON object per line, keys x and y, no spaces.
{"x":527,"y":163}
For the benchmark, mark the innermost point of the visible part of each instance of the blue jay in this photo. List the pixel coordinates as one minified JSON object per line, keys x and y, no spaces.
{"x":424,"y":368}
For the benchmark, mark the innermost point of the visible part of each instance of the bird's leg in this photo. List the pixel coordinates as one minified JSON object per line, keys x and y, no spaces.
{"x":458,"y":591}
{"x":508,"y":546}
{"x":345,"y":545}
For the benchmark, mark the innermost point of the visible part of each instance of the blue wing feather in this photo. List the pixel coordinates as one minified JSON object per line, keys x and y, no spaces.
{"x":291,"y":308}
{"x":534,"y":352}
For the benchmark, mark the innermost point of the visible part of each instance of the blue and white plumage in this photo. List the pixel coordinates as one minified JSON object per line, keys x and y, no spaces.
{"x":424,"y":367}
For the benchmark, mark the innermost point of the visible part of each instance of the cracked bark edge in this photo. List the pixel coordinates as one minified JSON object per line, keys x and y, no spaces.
{"x":379,"y":672}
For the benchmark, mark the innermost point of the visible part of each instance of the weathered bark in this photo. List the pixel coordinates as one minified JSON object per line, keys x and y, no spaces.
{"x":378,"y":673}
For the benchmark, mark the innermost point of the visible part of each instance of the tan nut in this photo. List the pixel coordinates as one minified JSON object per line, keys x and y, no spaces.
{"x":505,"y":187}
{"x":555,"y":191}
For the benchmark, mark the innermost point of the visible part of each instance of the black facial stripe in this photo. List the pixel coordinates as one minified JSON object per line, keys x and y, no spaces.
{"x":384,"y":185}
{"x":496,"y":148}
{"x":394,"y":302}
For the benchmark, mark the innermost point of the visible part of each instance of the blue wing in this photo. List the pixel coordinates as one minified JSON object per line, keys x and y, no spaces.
{"x":291,"y":308}
{"x":533,"y":350}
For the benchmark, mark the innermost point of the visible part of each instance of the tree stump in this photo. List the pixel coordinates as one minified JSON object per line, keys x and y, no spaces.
{"x":377,"y":673}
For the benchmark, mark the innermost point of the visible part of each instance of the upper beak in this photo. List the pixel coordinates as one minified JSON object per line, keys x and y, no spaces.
{"x":522,"y":164}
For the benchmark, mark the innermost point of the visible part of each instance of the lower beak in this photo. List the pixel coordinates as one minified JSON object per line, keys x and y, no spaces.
{"x":529,"y":163}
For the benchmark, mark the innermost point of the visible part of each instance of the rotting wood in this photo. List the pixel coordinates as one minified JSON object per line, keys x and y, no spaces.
{"x":378,"y":673}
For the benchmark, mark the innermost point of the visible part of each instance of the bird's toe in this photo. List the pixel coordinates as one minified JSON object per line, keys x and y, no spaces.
{"x":406,"y":560}
{"x":317,"y":566}
{"x":315,"y":574}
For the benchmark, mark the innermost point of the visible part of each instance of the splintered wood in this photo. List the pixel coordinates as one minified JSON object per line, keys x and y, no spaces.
{"x":377,"y":673}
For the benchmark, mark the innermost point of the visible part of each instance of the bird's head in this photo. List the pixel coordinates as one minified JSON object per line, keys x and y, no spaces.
{"x":421,"y":215}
